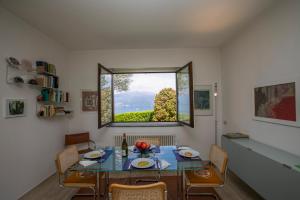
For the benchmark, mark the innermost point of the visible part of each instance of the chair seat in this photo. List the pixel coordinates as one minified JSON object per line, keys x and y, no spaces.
{"x":76,"y":179}
{"x":209,"y":179}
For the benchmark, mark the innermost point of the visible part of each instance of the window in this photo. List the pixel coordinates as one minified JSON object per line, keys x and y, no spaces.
{"x":105,"y":96}
{"x":185,"y":106}
{"x":145,"y":97}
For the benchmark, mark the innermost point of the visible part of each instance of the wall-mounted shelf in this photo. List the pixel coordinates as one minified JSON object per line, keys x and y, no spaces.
{"x":52,"y":101}
{"x":13,"y":72}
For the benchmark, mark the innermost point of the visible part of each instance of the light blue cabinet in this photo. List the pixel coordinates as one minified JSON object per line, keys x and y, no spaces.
{"x":269,"y":171}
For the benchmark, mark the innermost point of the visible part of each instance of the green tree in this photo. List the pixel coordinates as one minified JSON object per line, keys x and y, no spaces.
{"x":122,"y":82}
{"x":165,"y":106}
{"x":106,"y":106}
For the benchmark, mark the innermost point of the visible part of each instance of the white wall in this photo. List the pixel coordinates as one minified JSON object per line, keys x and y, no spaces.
{"x":268,"y":50}
{"x":28,"y":145}
{"x":83,"y":75}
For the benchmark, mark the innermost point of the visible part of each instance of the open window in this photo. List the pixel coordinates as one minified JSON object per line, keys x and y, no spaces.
{"x":145,"y":98}
{"x":105,"y":96}
{"x":185,"y":105}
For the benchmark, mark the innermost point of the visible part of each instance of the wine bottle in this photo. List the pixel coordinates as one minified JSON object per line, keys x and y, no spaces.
{"x":124,"y":146}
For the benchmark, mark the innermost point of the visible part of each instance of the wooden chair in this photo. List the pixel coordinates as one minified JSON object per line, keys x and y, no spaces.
{"x":157,"y":191}
{"x":214,"y":176}
{"x":73,"y":179}
{"x":80,"y":138}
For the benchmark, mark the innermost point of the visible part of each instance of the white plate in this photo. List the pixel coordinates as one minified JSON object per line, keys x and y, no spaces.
{"x":94,"y":154}
{"x":189,"y":153}
{"x":142,"y":163}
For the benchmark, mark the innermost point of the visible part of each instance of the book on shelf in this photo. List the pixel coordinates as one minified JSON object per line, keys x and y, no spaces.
{"x":60,"y":110}
{"x":55,"y":96}
{"x":47,"y":111}
{"x":44,"y":67}
{"x":51,"y":111}
{"x":47,"y":81}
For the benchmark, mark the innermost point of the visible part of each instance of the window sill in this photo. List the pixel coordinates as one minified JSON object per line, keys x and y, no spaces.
{"x":145,"y":124}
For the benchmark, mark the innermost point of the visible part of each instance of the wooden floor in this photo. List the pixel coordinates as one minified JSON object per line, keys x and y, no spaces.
{"x":234,"y":189}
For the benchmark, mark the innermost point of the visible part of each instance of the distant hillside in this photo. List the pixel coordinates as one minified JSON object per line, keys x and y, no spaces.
{"x":133,"y":101}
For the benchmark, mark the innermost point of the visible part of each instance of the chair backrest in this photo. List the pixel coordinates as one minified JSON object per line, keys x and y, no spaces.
{"x":151,"y":140}
{"x":218,"y":157}
{"x":67,"y":158}
{"x":157,"y":191}
{"x":77,"y":138}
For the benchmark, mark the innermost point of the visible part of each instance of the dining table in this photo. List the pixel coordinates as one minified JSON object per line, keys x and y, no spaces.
{"x":114,"y":162}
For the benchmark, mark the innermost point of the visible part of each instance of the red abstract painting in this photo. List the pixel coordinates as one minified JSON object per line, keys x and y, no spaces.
{"x":276,"y":102}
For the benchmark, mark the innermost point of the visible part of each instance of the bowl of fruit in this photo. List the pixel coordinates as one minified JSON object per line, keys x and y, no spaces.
{"x":142,"y":146}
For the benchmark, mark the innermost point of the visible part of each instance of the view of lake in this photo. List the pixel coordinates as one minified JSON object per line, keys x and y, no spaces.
{"x":133,"y":101}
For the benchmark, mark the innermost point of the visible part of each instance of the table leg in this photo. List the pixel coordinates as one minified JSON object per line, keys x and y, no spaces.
{"x":107,"y":184}
{"x":182,"y":182}
{"x":177,"y":177}
{"x":98,"y":186}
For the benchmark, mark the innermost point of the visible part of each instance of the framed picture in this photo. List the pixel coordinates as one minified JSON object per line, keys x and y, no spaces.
{"x":203,"y":100}
{"x":14,"y":108}
{"x":89,"y":100}
{"x":278,"y":103}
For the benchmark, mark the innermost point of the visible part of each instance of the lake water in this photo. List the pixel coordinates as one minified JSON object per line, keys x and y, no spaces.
{"x":133,"y":101}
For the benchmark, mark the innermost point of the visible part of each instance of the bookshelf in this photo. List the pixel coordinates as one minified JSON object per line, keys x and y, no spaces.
{"x":51,"y":101}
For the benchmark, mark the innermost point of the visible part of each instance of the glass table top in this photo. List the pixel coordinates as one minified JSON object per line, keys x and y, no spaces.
{"x":115,"y":162}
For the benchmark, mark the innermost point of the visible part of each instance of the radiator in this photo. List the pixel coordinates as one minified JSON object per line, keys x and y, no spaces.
{"x":165,"y":140}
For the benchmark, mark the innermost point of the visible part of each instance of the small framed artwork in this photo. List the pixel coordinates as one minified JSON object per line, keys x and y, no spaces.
{"x":203,"y":100}
{"x":15,"y":108}
{"x":278,"y":102}
{"x":89,"y":100}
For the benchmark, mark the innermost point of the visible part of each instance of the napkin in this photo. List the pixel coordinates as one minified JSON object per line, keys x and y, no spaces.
{"x":131,"y":148}
{"x":164,"y":164}
{"x":183,"y":148}
{"x":86,"y":163}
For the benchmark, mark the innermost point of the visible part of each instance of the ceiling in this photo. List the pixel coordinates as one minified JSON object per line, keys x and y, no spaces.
{"x":118,"y":24}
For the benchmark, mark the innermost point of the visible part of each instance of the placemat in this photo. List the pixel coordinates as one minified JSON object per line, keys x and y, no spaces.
{"x":127,"y":166}
{"x":106,"y":156}
{"x":180,"y":158}
{"x":155,"y":150}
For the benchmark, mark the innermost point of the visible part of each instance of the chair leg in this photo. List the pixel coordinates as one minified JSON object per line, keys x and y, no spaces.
{"x":157,"y":179}
{"x":187,"y":193}
{"x":95,"y":193}
{"x":205,"y":194}
{"x":83,"y":195}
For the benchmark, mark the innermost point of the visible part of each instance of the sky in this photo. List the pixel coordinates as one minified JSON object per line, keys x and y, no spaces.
{"x":152,"y":82}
